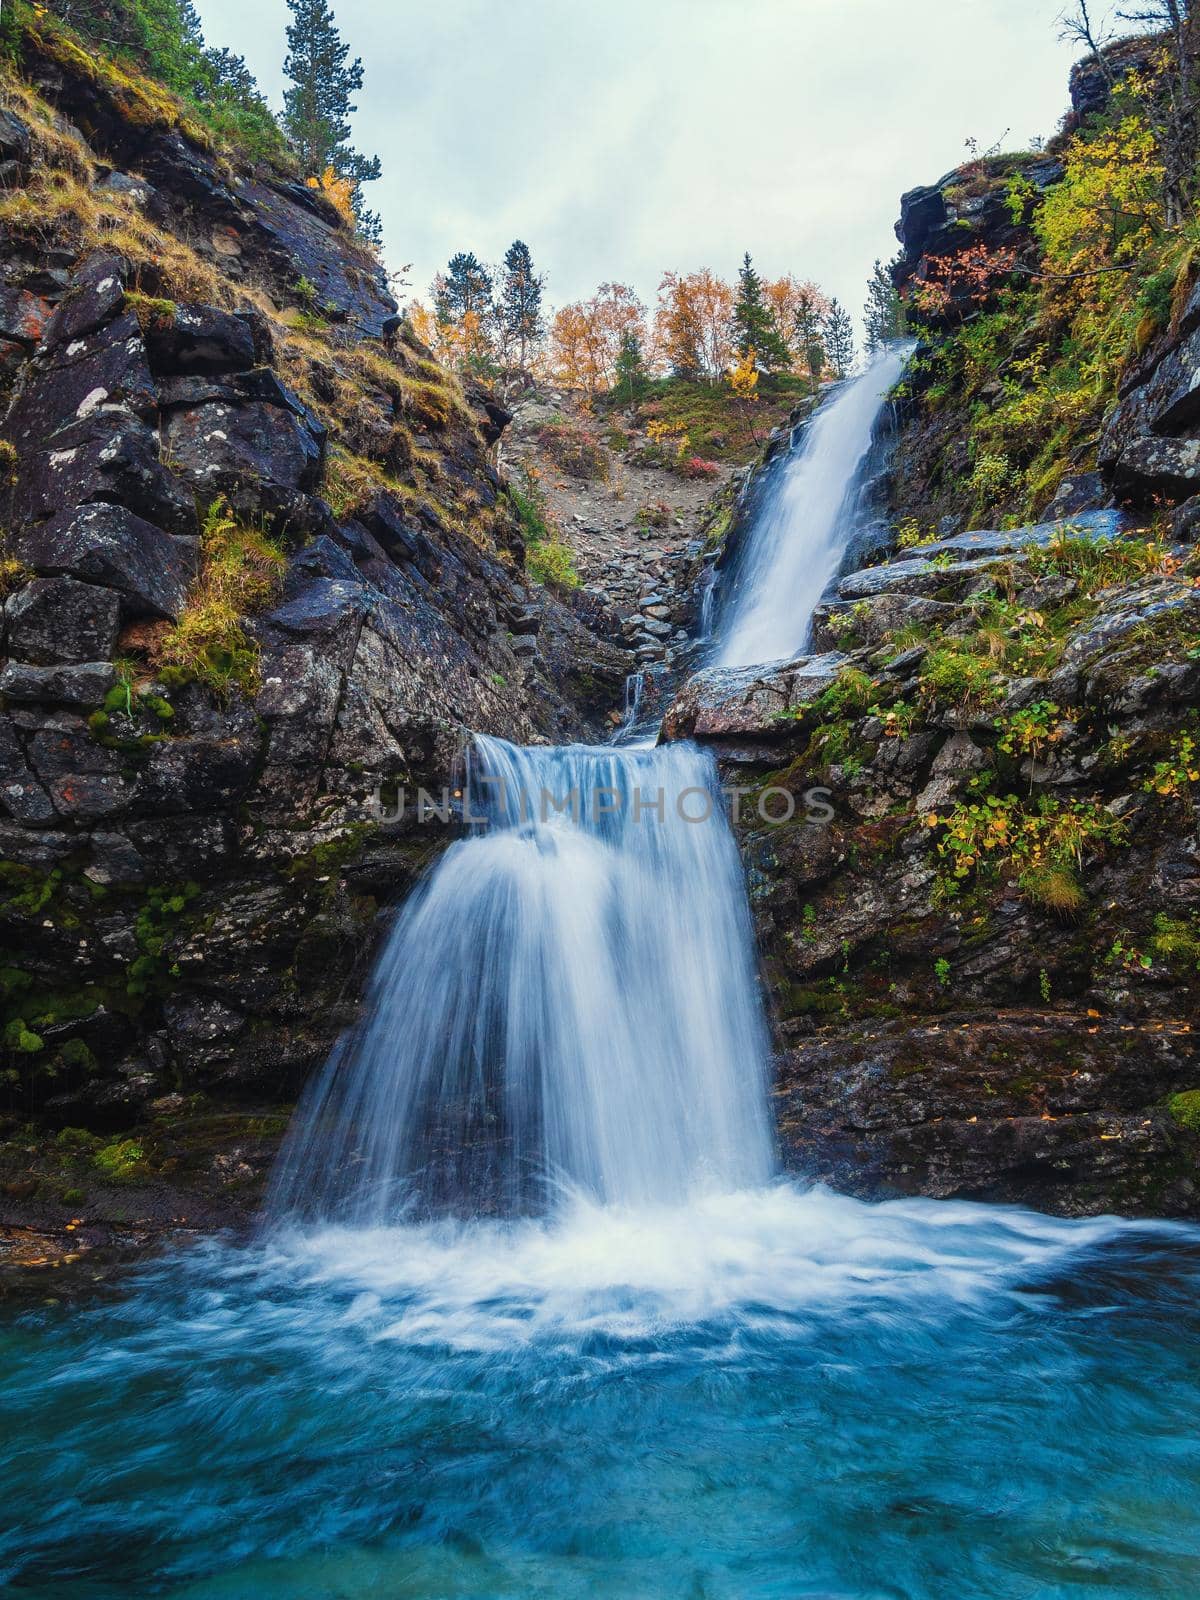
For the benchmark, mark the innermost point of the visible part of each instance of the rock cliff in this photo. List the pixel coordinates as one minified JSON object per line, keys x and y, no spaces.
{"x":259,"y":569}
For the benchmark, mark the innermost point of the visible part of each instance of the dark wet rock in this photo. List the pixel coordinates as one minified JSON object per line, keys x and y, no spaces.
{"x":113,"y":859}
{"x":301,"y":239}
{"x":22,"y":795}
{"x":201,"y":339}
{"x":1064,"y":1120}
{"x":105,"y":544}
{"x":108,"y":368}
{"x":263,"y":457}
{"x":15,"y":142}
{"x":733,"y":702}
{"x":55,"y":620}
{"x":197,"y":775}
{"x":1150,"y":468}
{"x":109,"y":455}
{"x":1185,"y":521}
{"x":1082,"y":491}
{"x":95,"y":295}
{"x":188,"y":847}
{"x":82,"y":684}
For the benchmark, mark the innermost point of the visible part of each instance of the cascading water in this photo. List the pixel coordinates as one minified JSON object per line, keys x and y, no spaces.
{"x":655,"y":1372}
{"x":568,"y":1004}
{"x":800,"y":537}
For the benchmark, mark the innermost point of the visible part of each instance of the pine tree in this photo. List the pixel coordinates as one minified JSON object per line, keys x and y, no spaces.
{"x":520,"y":309}
{"x":631,"y":373}
{"x":883,"y":314}
{"x":754,"y":325}
{"x":464,"y":289}
{"x":839,"y":338}
{"x":809,"y":339}
{"x":318,"y":106}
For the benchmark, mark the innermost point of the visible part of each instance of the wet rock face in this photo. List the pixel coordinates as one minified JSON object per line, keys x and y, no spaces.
{"x":970,"y":1035}
{"x":192,"y":879}
{"x":1149,"y":451}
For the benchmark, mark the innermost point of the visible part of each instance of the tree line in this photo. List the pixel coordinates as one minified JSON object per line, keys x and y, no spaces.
{"x":493,"y":321}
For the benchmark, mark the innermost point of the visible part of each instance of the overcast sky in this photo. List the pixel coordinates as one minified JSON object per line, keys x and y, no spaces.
{"x":620,"y":138}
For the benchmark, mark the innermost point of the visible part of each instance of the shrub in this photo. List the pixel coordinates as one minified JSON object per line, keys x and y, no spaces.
{"x":576,"y":450}
{"x":547,"y":558}
{"x":953,"y":675}
{"x":695,"y":467}
{"x":654,"y":514}
{"x":240,"y":570}
{"x":1044,"y":847}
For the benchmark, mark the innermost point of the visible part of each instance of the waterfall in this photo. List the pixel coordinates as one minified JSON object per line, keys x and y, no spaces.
{"x":567,"y":1004}
{"x":800,"y":538}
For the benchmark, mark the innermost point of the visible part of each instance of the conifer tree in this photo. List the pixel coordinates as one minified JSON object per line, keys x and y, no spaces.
{"x":809,"y":339}
{"x":883,"y":314}
{"x":754,"y":324}
{"x":520,"y":308}
{"x":839,"y":338}
{"x":318,"y":106}
{"x":631,"y":373}
{"x":464,"y":289}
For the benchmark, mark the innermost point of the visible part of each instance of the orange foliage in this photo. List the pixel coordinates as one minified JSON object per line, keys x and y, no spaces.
{"x":692,"y":325}
{"x":786,"y":296}
{"x":965,"y":280}
{"x":586,"y":336}
{"x":339,"y":190}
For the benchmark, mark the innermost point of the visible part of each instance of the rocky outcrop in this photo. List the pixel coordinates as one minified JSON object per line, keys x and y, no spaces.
{"x":1150,"y":448}
{"x":984,"y":967}
{"x":197,"y":858}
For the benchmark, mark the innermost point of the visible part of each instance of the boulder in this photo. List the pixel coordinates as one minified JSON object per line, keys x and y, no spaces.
{"x":23,"y":316}
{"x":53,"y":620}
{"x":108,"y":369}
{"x":734,"y":702}
{"x":263,"y":457}
{"x":109,"y":455}
{"x":1150,"y":469}
{"x":105,"y":544}
{"x":96,"y":293}
{"x":81,"y":684}
{"x":200,"y":339}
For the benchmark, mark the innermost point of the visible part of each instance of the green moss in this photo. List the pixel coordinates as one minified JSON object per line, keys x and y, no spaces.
{"x":1185,"y":1109}
{"x":123,"y":1161}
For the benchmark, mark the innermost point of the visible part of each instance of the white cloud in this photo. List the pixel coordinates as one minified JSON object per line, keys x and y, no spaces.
{"x":623,"y":137}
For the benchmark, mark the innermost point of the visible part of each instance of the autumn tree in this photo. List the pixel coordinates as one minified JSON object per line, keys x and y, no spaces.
{"x":587,"y":336}
{"x":1169,"y":96}
{"x":838,"y":331}
{"x":693,"y":324}
{"x":793,"y":302}
{"x":808,"y":336}
{"x":465,"y":313}
{"x":519,"y":311}
{"x":319,"y":104}
{"x":754,"y":326}
{"x":883,"y":314}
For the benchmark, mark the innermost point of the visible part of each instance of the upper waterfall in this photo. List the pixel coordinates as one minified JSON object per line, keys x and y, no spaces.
{"x":799,"y":540}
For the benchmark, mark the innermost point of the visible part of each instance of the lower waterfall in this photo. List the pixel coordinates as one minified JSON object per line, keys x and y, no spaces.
{"x":567,"y":1005}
